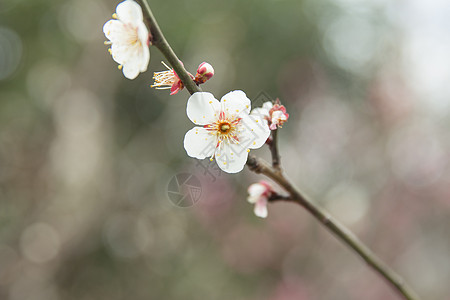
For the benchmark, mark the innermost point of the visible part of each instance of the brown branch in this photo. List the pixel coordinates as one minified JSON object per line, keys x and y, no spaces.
{"x":160,"y":42}
{"x":273,"y":146}
{"x":277,"y":197}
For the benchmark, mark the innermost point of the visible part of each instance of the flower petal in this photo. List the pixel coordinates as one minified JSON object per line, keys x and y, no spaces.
{"x":236,"y":102}
{"x":253,"y":132}
{"x":260,"y":209}
{"x":202,"y":108}
{"x":252,"y":199}
{"x":267,"y":105}
{"x":142,"y":33}
{"x":129,"y":12}
{"x":145,"y":58}
{"x":231,"y":158}
{"x":199,"y":143}
{"x":131,"y":69}
{"x":114,"y":31}
{"x":256,"y":189}
{"x":121,"y":53}
{"x":260,"y":112}
{"x":176,"y":86}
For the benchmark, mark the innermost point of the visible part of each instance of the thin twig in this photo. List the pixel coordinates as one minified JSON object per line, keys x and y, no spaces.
{"x":262,"y":167}
{"x":160,"y":42}
{"x":273,"y":146}
{"x":277,"y":197}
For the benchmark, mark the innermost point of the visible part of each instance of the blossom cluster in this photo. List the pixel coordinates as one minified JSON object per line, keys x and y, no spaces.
{"x":226,"y":130}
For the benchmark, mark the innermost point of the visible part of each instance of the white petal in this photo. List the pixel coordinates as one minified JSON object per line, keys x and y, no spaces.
{"x":231,"y":158}
{"x":267,"y":105}
{"x":236,"y":102}
{"x":202,"y":108}
{"x":145,"y":58}
{"x":252,"y":199}
{"x":253,"y":131}
{"x":129,"y":12}
{"x":199,"y":143}
{"x":134,"y":59}
{"x":260,"y":209}
{"x":256,"y":189}
{"x":131,"y":69}
{"x":142,"y":32}
{"x":122,"y":53}
{"x":277,"y":114}
{"x":115,"y":31}
{"x":260,"y":112}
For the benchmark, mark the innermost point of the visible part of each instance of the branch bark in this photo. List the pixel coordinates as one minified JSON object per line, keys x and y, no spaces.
{"x":160,"y":42}
{"x":273,"y":146}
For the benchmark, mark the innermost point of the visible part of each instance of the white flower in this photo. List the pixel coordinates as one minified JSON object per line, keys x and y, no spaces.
{"x":275,"y":115}
{"x":228,"y":132}
{"x":129,"y":39}
{"x":258,"y":194}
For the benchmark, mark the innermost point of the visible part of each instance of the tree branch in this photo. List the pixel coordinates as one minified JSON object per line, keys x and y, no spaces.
{"x":160,"y":42}
{"x":277,"y":197}
{"x":259,"y":166}
{"x":273,"y":146}
{"x":274,"y":172}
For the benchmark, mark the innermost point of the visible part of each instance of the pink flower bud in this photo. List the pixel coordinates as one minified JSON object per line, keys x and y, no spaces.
{"x":204,"y":72}
{"x":258,"y":194}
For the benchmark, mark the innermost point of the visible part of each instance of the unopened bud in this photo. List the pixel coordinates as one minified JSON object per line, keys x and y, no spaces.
{"x":204,"y":72}
{"x":258,"y":194}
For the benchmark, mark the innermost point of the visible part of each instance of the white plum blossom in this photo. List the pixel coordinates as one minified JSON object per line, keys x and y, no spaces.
{"x":227,"y":131}
{"x":258,"y":194}
{"x":274,"y":114}
{"x":129,"y":39}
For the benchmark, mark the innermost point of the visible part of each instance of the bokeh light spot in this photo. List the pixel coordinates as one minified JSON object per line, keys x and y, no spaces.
{"x":40,"y":243}
{"x":10,"y":52}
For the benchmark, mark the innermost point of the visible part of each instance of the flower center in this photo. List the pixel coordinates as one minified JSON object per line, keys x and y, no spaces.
{"x":133,"y":36}
{"x":224,"y":127}
{"x":134,"y":39}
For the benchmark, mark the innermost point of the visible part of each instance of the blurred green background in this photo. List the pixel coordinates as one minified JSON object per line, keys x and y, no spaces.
{"x":86,"y":156}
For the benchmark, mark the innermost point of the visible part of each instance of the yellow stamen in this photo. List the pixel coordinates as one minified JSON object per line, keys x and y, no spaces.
{"x":224,"y":128}
{"x":114,"y":16}
{"x":163,"y":79}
